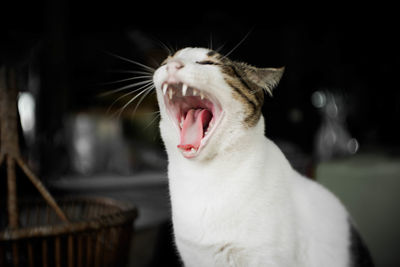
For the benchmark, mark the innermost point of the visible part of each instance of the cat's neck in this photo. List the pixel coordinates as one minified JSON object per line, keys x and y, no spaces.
{"x":249,"y":157}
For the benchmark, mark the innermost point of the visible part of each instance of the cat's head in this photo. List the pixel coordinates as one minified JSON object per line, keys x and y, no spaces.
{"x":207,"y":102}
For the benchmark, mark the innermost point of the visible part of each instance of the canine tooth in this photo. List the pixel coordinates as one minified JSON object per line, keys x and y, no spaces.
{"x":184,"y":89}
{"x":165,"y":87}
{"x":206,"y":133}
{"x":201,"y":96}
{"x":170,"y":93}
{"x":195,"y":92}
{"x":181,"y":123}
{"x":192,"y":150}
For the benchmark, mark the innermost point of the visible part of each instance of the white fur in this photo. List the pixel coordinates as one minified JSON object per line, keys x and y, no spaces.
{"x":240,"y":203}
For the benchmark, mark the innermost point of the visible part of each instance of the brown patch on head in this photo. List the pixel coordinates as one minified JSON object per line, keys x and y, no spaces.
{"x":215,"y":55}
{"x":212,"y":53}
{"x":248,"y":84}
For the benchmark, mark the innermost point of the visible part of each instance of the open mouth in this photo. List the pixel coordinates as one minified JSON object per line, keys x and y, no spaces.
{"x":195,"y":113}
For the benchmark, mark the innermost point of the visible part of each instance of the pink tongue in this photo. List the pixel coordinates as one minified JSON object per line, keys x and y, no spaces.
{"x":192,"y":129}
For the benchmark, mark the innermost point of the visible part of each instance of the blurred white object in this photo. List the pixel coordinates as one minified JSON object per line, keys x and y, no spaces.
{"x":26,"y":109}
{"x":333,"y":138}
{"x":97,"y":145}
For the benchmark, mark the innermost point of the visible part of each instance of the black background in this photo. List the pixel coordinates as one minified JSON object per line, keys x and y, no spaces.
{"x":352,"y":50}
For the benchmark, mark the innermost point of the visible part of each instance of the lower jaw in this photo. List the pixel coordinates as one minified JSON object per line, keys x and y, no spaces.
{"x":190,"y":154}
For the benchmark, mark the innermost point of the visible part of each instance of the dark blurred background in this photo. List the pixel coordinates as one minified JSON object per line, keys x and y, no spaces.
{"x":335,"y":113}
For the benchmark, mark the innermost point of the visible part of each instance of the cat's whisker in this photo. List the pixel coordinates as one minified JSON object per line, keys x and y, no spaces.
{"x":142,"y":98}
{"x":147,"y":73}
{"x":132,"y":61}
{"x":127,"y":79}
{"x":236,"y":46}
{"x":153,"y":120}
{"x":154,"y":61}
{"x":127,"y":94}
{"x":171,"y":50}
{"x":134,"y":98}
{"x":146,"y":83}
{"x":151,"y":113}
{"x":218,"y":50}
{"x":167,"y":48}
{"x":119,"y":98}
{"x":154,"y":112}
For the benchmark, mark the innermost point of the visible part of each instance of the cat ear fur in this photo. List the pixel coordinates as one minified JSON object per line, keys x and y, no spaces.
{"x":266,"y":78}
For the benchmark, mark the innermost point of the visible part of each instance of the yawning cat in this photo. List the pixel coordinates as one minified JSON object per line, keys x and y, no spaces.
{"x":236,"y":200}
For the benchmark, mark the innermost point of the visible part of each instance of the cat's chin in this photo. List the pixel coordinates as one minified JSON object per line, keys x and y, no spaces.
{"x":195,"y":113}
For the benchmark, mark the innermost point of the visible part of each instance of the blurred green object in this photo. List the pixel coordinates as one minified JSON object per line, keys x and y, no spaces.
{"x":369,"y":185}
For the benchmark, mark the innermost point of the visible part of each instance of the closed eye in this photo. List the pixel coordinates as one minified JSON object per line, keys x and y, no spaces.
{"x":207,"y":62}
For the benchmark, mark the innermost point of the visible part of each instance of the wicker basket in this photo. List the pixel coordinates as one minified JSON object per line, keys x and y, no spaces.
{"x":67,"y":232}
{"x":98,"y":234}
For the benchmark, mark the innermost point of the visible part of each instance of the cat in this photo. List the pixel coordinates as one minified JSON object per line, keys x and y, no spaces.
{"x":236,"y":200}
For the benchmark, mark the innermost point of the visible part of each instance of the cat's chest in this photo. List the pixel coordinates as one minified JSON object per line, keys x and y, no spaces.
{"x":215,"y":206}
{"x":200,"y":202}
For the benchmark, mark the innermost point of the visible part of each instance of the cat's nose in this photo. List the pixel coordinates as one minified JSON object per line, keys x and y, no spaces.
{"x":174,"y":66}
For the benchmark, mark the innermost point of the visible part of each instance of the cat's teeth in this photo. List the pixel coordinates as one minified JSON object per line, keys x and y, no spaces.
{"x":201,"y":96}
{"x":206,"y":133}
{"x":195,"y":92}
{"x":165,"y":87}
{"x":181,"y":123}
{"x":170,"y":93}
{"x":192,"y":150}
{"x":184,"y":89}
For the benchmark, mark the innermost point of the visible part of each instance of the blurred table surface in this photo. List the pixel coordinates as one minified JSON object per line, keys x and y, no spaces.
{"x":148,"y":191}
{"x":369,"y":186}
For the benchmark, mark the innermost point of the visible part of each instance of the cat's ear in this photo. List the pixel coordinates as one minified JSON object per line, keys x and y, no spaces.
{"x":266,"y":78}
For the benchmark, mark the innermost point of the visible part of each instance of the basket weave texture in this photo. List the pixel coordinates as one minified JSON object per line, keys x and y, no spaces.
{"x":49,"y":232}
{"x":98,"y":234}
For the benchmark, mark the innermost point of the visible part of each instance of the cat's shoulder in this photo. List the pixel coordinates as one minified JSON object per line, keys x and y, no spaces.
{"x":311,"y":195}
